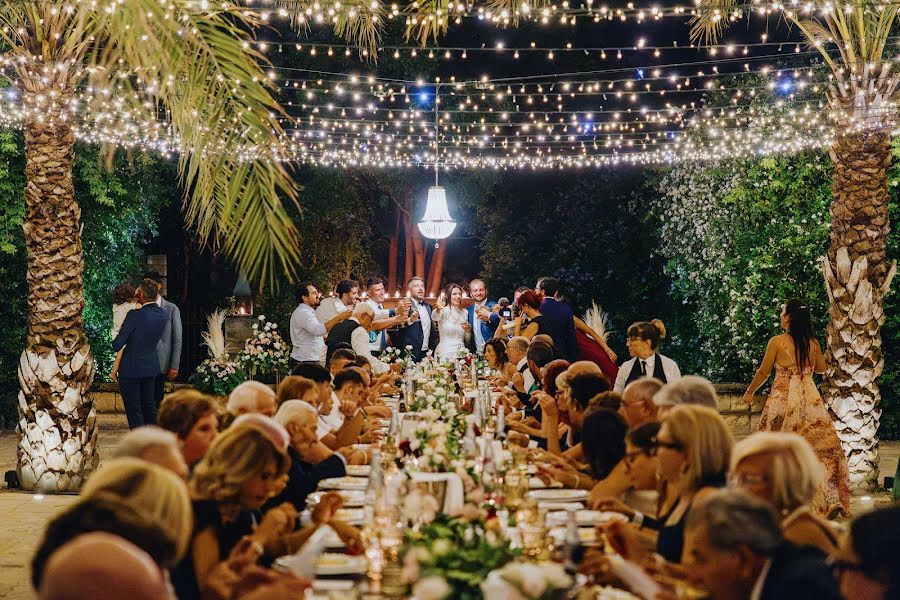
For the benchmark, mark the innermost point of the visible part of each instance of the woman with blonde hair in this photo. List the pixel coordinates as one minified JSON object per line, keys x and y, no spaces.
{"x":693,"y":452}
{"x":245,"y":466}
{"x":138,"y":501}
{"x":294,"y":387}
{"x":643,"y":344}
{"x":782,"y":469}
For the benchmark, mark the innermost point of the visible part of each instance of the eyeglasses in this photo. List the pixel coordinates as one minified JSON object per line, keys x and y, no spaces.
{"x":839,"y":567}
{"x":670,"y":445}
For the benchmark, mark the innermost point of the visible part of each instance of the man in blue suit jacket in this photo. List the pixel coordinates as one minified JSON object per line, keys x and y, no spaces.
{"x":558,"y":319}
{"x":481,"y":313}
{"x":139,"y":367}
{"x":420,"y":331}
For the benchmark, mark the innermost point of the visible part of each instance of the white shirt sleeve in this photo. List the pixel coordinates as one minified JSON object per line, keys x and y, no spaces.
{"x":359,"y":340}
{"x":622,"y":377}
{"x":670,"y":368}
{"x":309,"y":322}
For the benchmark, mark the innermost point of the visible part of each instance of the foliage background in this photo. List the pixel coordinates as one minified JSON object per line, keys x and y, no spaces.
{"x":739,"y":238}
{"x":120,"y":211}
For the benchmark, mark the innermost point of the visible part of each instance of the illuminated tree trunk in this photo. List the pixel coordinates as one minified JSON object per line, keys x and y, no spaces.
{"x":57,"y":424}
{"x":436,"y":269}
{"x":393,"y":253}
{"x":408,"y":253}
{"x":857,"y":276}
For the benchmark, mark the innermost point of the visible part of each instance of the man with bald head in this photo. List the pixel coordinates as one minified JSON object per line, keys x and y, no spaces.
{"x":638,"y":407}
{"x":517,"y":353}
{"x":117,"y":569}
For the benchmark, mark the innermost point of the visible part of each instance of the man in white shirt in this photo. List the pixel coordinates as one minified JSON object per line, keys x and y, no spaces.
{"x":355,"y":333}
{"x":383,"y":318}
{"x":307,"y":333}
{"x":517,"y":352}
{"x":346,"y":295}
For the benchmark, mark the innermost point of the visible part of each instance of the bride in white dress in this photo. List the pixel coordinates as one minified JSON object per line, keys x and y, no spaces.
{"x":452,"y":322}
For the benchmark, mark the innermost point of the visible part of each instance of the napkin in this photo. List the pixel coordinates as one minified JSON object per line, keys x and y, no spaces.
{"x":454,"y":498}
{"x":303,"y":564}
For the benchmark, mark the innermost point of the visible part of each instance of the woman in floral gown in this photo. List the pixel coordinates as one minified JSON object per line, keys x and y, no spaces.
{"x":794,"y":403}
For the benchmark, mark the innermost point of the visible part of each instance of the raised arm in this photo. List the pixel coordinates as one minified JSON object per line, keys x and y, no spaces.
{"x":818,"y":358}
{"x":765,"y":369}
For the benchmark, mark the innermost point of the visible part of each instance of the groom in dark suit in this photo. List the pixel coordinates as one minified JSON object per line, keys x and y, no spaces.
{"x":139,"y":367}
{"x":419,"y":331}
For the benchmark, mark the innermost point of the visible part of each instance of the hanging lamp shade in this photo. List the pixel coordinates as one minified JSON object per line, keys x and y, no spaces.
{"x":437,"y":223}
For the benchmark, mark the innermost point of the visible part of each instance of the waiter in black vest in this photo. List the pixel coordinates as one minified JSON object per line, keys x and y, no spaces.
{"x":643,"y":342}
{"x":354,"y":334}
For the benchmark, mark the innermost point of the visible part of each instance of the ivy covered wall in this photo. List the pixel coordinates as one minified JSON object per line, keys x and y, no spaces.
{"x":740,"y":237}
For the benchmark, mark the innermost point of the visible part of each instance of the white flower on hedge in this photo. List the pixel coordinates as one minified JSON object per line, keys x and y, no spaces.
{"x":431,"y":588}
{"x":441,"y":547}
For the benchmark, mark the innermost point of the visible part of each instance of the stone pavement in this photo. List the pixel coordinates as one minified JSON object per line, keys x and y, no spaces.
{"x":23,"y":515}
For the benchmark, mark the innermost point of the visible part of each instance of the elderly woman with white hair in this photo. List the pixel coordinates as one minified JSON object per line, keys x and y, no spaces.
{"x":690,"y":389}
{"x":251,"y":397}
{"x":782,"y":469}
{"x":154,"y":445}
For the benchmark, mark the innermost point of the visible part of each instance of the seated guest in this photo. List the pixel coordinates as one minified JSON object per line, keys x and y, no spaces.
{"x":734,"y":550}
{"x":137,"y":501}
{"x":539,"y":355}
{"x":603,"y":446}
{"x":311,"y":461}
{"x":517,"y":353}
{"x":245,"y":466}
{"x":530,"y":322}
{"x":370,"y":396}
{"x":530,"y":425}
{"x":154,"y":445}
{"x":543,"y":338}
{"x":782,"y":469}
{"x":868,"y":565}
{"x":117,"y":569}
{"x":495,"y":355}
{"x":334,"y":430}
{"x":341,"y":359}
{"x":643,"y":343}
{"x":251,"y":397}
{"x":194,"y":418}
{"x":690,"y":389}
{"x":693,"y":450}
{"x":638,"y":405}
{"x":571,"y":410}
{"x":641,"y":467}
{"x":294,"y":387}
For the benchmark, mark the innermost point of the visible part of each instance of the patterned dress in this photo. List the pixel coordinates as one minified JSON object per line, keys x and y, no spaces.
{"x":795,"y":405}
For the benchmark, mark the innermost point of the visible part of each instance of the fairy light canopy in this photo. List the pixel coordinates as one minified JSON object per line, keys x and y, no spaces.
{"x":537,"y":97}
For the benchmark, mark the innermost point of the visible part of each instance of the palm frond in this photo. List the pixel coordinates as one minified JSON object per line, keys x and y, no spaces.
{"x":427,"y":20}
{"x":357,"y":21}
{"x":515,"y":10}
{"x":222,"y":113}
{"x":711,"y":19}
{"x":214,"y":336}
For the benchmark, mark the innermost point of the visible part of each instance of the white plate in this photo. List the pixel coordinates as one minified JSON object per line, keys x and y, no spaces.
{"x":587,"y":535}
{"x":344,"y":483}
{"x":584,"y":518}
{"x":351,"y":498}
{"x":535,"y":483}
{"x":358,"y":470}
{"x":333,"y":585}
{"x":330,"y":563}
{"x":551,"y":506}
{"x":351,"y":516}
{"x":557,"y":495}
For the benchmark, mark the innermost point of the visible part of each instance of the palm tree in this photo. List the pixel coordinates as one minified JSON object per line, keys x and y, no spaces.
{"x":852,"y":40}
{"x":176,"y":76}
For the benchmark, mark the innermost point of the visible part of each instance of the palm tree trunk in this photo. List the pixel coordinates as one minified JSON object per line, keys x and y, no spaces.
{"x":857,"y":276}
{"x":57,"y":423}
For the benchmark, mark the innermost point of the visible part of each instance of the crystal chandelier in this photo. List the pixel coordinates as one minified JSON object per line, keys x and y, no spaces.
{"x":436,"y":224}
